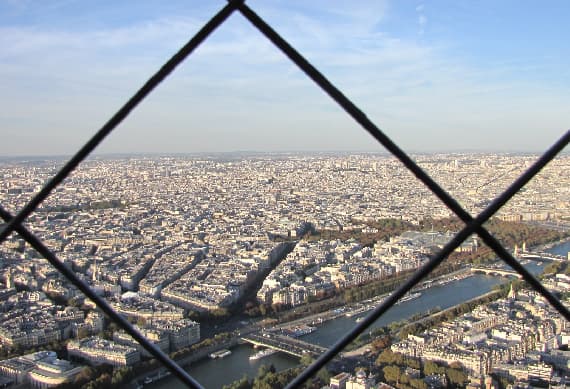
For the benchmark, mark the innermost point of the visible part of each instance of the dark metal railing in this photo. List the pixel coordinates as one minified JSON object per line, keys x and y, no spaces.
{"x":472,"y":225}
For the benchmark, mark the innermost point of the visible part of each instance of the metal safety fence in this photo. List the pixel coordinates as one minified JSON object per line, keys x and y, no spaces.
{"x":472,"y":225}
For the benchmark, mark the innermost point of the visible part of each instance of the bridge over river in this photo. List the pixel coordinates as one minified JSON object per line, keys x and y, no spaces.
{"x":538,"y":255}
{"x":495,"y":271}
{"x":543,"y":256}
{"x":286,"y":344}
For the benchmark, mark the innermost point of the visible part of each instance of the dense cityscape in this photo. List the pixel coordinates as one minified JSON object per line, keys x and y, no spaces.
{"x":200,"y":252}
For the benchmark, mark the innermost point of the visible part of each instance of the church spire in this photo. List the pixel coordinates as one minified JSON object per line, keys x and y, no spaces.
{"x":94,"y":275}
{"x":512,"y":294}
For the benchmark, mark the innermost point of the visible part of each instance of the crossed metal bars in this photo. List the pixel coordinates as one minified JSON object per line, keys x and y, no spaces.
{"x":472,"y":225}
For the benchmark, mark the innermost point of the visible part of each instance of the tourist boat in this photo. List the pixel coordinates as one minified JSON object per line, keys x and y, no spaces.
{"x":359,"y":319}
{"x":220,"y":353}
{"x":408,"y":297}
{"x":302,"y":330}
{"x":356,"y":311}
{"x":318,"y":321}
{"x":261,"y":354}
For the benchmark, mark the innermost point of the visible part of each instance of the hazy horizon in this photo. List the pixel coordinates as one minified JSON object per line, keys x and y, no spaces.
{"x":252,"y":153}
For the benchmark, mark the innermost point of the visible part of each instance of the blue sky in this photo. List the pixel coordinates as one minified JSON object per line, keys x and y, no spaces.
{"x":435,"y":76}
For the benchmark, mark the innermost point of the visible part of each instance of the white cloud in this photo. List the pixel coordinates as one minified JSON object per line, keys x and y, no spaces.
{"x":237,"y":76}
{"x":422,"y":21}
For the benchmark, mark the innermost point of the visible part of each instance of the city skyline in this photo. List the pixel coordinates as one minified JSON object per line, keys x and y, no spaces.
{"x":428,"y":74}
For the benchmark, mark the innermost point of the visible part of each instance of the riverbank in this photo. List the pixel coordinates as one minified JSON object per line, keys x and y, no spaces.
{"x":423,"y":323}
{"x":461,"y":282}
{"x":432,"y":319}
{"x":550,"y":245}
{"x":206,"y":371}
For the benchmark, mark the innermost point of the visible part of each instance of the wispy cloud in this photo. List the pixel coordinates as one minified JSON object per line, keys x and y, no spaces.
{"x":407,"y":81}
{"x":422,"y":19}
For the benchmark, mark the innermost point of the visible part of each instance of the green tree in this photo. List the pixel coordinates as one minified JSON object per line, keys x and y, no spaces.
{"x":82,"y":332}
{"x":456,"y":377}
{"x":413,"y":363}
{"x":262,"y":371}
{"x":84,"y":376}
{"x":432,"y":368}
{"x":388,"y":357}
{"x":418,"y":384}
{"x":242,"y":383}
{"x":268,"y":381}
{"x":263,"y":309}
{"x":391,"y":373}
{"x":324,"y":376}
{"x":306,"y":360}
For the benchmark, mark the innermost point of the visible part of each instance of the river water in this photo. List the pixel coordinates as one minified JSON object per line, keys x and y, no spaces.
{"x":214,"y":373}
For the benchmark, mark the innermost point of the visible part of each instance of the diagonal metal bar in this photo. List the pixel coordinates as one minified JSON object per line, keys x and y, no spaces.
{"x":469,"y":229}
{"x":101,"y":303}
{"x":369,"y":126}
{"x":120,"y":115}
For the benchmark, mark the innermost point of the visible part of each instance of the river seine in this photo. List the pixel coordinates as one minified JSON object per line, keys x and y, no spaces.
{"x":214,"y":373}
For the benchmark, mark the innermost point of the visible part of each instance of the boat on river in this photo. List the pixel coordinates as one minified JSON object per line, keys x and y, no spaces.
{"x":220,"y":353}
{"x":357,"y":311}
{"x":302,"y":330}
{"x":408,"y":297}
{"x":262,"y":354}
